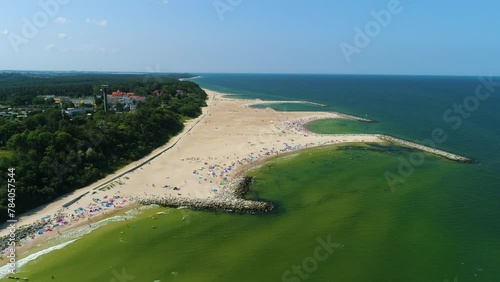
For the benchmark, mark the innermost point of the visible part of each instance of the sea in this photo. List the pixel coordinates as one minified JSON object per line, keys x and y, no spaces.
{"x":447,"y":225}
{"x":353,"y":212}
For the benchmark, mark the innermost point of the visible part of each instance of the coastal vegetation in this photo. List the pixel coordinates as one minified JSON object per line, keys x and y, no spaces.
{"x":21,"y":89}
{"x":54,"y":154}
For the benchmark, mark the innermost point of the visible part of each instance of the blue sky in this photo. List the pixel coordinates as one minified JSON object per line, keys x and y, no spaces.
{"x":252,"y":36}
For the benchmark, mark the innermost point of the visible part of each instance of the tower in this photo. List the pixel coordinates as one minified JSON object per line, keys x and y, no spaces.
{"x":104,"y":91}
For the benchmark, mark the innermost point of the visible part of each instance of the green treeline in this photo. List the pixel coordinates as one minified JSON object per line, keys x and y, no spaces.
{"x":54,"y":154}
{"x":18,"y":89}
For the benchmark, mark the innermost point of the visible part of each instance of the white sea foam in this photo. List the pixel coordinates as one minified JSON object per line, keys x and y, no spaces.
{"x":4,"y":270}
{"x":71,"y":236}
{"x":80,"y":231}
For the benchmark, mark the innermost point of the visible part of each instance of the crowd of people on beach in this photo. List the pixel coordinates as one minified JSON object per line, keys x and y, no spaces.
{"x":217,"y":173}
{"x":65,"y":217}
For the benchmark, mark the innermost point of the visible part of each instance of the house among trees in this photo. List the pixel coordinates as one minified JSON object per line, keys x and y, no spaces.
{"x":82,"y":101}
{"x":118,"y":97}
{"x":124,"y":100}
{"x":60,"y":99}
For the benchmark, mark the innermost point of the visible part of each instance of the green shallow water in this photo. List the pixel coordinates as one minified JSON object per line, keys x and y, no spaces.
{"x":344,"y":126}
{"x":420,"y":231}
{"x":440,"y":223}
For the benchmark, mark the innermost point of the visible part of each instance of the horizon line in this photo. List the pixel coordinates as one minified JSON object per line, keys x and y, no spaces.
{"x":236,"y":73}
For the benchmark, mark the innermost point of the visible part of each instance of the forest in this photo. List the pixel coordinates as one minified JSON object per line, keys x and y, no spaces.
{"x":54,"y":154}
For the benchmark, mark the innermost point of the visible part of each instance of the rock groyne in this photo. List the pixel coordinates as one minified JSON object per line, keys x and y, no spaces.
{"x":230,"y":200}
{"x":25,"y":231}
{"x":346,"y":116}
{"x":427,"y":149}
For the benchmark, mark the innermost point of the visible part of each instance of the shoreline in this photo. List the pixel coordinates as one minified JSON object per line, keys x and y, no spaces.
{"x":339,"y":114}
{"x":272,"y":133}
{"x":264,"y":102}
{"x":109,"y":179}
{"x":200,"y":166}
{"x":408,"y":144}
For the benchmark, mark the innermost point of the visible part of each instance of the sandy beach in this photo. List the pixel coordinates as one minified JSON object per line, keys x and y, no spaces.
{"x":227,"y":139}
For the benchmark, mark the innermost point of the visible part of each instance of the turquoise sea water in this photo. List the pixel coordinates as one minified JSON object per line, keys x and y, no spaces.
{"x":410,"y":107}
{"x":465,"y":200}
{"x":440,"y":223}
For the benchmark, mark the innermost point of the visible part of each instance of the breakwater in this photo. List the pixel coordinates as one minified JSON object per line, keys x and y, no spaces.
{"x":427,"y":149}
{"x":346,"y":116}
{"x":22,"y":232}
{"x":230,"y":200}
{"x":25,"y":231}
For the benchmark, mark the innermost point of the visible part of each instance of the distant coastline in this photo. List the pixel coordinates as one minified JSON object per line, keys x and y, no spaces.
{"x":184,"y":79}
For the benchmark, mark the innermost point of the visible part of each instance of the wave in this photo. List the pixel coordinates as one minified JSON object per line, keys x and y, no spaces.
{"x":71,"y":236}
{"x":4,"y":270}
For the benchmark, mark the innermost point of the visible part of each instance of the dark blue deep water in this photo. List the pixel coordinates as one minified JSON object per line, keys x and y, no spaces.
{"x":410,"y":107}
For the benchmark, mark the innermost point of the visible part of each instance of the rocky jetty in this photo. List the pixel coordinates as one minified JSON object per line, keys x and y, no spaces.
{"x":346,"y":116}
{"x":231,"y":200}
{"x":427,"y":149}
{"x":25,"y":231}
{"x":22,"y":233}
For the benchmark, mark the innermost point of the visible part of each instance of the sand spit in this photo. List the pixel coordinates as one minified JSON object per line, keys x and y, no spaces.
{"x":263,"y":102}
{"x":200,"y":167}
{"x":337,"y":114}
